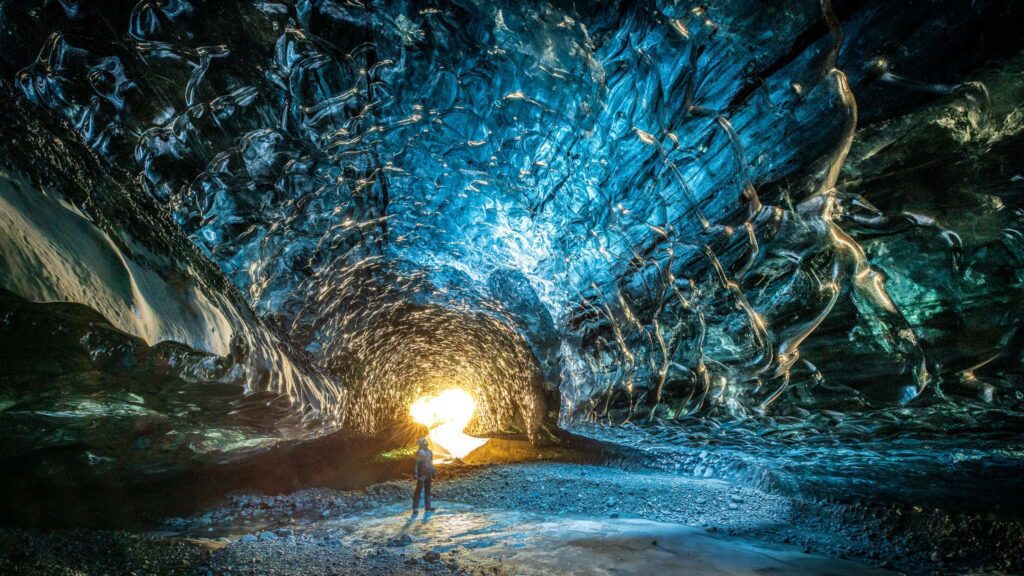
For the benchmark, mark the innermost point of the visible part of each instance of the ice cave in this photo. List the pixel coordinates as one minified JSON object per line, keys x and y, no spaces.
{"x":628,"y":286}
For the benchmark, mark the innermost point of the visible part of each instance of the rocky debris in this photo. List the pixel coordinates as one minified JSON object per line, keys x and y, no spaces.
{"x":80,"y":551}
{"x":606,"y":491}
{"x":432,"y":556}
{"x":273,"y":512}
{"x":403,"y":540}
{"x":287,"y":534}
{"x":904,"y":536}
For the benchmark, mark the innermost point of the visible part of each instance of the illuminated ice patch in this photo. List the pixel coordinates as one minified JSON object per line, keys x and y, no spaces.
{"x":446,"y":415}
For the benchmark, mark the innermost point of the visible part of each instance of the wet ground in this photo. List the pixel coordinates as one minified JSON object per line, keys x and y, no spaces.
{"x":532,"y":518}
{"x":512,"y":542}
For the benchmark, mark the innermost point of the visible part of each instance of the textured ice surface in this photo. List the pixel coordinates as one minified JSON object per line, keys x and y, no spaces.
{"x":652,"y":210}
{"x":122,"y":346}
{"x":50,"y":252}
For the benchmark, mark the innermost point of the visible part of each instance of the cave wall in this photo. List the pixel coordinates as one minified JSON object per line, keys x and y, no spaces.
{"x":612,"y":211}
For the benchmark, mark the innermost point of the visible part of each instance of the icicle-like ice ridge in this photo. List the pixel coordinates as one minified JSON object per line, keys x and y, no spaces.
{"x":662,"y":180}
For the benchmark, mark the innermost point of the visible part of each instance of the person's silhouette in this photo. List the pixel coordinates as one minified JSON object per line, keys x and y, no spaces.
{"x":423,"y":471}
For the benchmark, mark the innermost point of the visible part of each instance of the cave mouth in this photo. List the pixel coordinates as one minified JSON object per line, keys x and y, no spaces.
{"x":451,"y":373}
{"x":446,"y":416}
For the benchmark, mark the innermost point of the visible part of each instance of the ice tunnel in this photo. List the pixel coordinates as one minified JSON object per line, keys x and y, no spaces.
{"x":231,"y":229}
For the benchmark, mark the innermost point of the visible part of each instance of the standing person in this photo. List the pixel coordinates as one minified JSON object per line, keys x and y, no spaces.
{"x":423,"y":470}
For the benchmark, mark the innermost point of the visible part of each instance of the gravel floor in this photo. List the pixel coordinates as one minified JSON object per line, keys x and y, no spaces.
{"x":317,"y":532}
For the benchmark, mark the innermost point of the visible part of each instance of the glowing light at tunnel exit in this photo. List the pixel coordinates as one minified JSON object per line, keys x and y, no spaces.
{"x":446,"y":415}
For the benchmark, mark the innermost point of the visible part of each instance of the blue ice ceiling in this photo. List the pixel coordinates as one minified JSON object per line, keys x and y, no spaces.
{"x":637,"y":207}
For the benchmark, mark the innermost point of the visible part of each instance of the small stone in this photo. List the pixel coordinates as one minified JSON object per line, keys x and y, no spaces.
{"x":403,"y":540}
{"x":712,"y":529}
{"x":268,"y":536}
{"x":432,"y":556}
{"x":249,"y":538}
{"x":611,"y":502}
{"x":613,"y":515}
{"x":936,"y":556}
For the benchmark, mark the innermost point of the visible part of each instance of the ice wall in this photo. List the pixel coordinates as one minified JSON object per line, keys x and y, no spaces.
{"x":121,"y":346}
{"x":51,"y":252}
{"x":679,"y":209}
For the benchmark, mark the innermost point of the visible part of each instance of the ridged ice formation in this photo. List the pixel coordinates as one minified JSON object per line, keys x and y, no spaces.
{"x":650,"y":210}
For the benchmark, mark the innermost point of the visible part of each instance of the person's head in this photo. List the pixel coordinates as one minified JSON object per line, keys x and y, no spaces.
{"x":423,"y":443}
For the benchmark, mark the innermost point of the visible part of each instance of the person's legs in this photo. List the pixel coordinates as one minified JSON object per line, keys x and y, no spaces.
{"x":416,"y":495}
{"x":426,"y":493}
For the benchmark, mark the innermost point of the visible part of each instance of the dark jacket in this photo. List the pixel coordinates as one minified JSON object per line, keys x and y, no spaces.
{"x":424,"y":467}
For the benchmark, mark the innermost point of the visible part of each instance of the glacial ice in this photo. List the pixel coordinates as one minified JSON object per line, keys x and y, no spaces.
{"x":665,"y":213}
{"x":50,"y":252}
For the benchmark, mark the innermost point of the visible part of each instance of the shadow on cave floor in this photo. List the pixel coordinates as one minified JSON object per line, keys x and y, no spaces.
{"x":529,"y":517}
{"x":58,"y":488}
{"x":519,"y":542}
{"x":518,"y":518}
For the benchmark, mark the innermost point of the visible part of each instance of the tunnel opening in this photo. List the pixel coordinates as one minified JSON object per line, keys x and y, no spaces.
{"x":455,"y":375}
{"x":446,"y":416}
